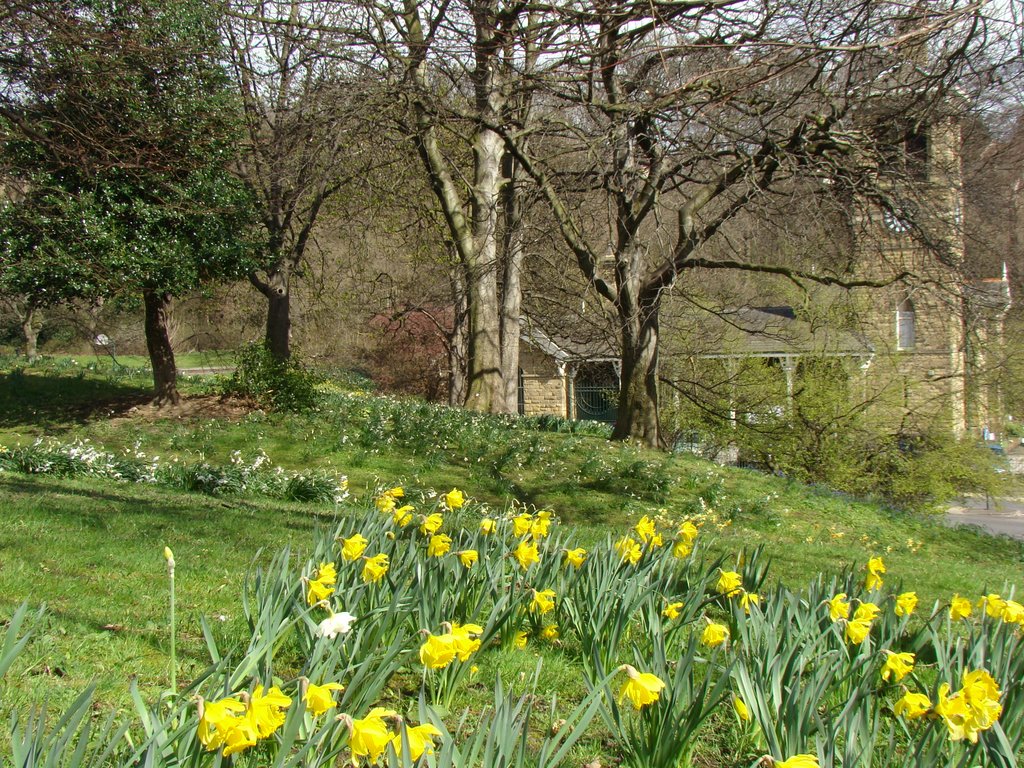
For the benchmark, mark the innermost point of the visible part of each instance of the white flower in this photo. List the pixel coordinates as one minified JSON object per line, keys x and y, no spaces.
{"x":338,"y":624}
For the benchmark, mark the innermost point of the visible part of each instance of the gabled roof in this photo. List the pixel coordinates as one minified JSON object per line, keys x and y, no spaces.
{"x":596,"y":349}
{"x":773,"y":332}
{"x":735,"y":332}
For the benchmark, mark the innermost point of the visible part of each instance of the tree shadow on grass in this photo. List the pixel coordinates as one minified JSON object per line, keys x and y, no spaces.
{"x":56,"y":402}
{"x":184,"y":508}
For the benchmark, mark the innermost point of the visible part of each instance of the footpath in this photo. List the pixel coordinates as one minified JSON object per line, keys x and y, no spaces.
{"x":995,"y":515}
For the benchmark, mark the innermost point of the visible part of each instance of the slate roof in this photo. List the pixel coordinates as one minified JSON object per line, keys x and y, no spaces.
{"x":775,"y":331}
{"x":736,"y":332}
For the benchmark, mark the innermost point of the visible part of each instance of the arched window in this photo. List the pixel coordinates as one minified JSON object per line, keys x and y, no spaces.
{"x":905,"y":319}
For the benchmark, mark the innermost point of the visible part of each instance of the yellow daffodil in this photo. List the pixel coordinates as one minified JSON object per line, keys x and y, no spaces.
{"x":982,"y":694}
{"x":875,"y":570}
{"x":645,"y":529}
{"x":641,"y":688}
{"x":439,"y":545}
{"x":839,"y":607}
{"x":1013,"y":612}
{"x":672,"y":610}
{"x":215,"y":719}
{"x":799,"y":761}
{"x":327,"y":573}
{"x":748,"y":599}
{"x":488,"y":526}
{"x":688,"y":532}
{"x":466,"y":639}
{"x":959,"y":608}
{"x":541,"y":525}
{"x":468,"y":556}
{"x":267,"y":709}
{"x":866,"y":612}
{"x":543,"y":601}
{"x":320,"y":698}
{"x":375,"y":568}
{"x":906,"y":603}
{"x":317,"y":591}
{"x":629,"y":550}
{"x":385,"y":504}
{"x":395,"y":493}
{"x":857,"y":631}
{"x":521,"y":524}
{"x":897,"y":665}
{"x":657,"y":540}
{"x":575,"y":557}
{"x":438,"y":651}
{"x":240,"y":735}
{"x":454,"y":499}
{"x":714,"y":635}
{"x":431,"y":524}
{"x":519,"y":641}
{"x":741,"y":709}
{"x":526,"y":554}
{"x":912,"y":706}
{"x":729,"y":582}
{"x":370,"y":736}
{"x":550,"y":633}
{"x":993,"y":604}
{"x":403,"y":515}
{"x":419,"y":738}
{"x":972,"y":709}
{"x":353,"y":547}
{"x":682,"y":549}
{"x":954,"y":712}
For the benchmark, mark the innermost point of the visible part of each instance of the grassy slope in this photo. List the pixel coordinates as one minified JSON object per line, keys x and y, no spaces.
{"x":91,"y":549}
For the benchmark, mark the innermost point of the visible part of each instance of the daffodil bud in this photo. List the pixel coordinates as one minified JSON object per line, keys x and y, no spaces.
{"x":169,"y":557}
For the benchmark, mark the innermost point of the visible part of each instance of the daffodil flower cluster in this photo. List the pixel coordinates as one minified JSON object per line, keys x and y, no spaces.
{"x":459,"y":642}
{"x":370,"y":736}
{"x":234,"y":724}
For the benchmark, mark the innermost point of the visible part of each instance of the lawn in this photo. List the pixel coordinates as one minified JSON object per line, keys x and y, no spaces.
{"x":90,"y":548}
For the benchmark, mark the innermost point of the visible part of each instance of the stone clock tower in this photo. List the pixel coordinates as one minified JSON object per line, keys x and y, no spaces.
{"x":916,"y":324}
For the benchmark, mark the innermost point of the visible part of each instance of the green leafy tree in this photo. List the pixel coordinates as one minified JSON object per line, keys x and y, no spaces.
{"x":117,"y":125}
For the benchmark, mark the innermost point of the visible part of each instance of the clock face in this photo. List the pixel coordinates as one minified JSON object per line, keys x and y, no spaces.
{"x":895,"y":223}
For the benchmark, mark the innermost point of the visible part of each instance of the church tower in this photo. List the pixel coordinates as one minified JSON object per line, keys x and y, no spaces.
{"x":911,"y":236}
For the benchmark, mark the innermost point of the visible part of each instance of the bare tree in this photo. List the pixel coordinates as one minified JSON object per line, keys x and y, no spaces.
{"x":675,"y":118}
{"x":301,"y":102}
{"x":459,"y":68}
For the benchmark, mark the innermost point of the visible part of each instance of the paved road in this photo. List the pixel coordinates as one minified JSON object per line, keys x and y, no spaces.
{"x":1004,"y":516}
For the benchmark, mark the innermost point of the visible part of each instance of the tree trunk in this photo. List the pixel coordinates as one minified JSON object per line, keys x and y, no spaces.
{"x":485,"y":393}
{"x":458,"y":343}
{"x":158,"y":342}
{"x":512,"y":296}
{"x":638,"y":393}
{"x":28,"y":328}
{"x":277,"y":290}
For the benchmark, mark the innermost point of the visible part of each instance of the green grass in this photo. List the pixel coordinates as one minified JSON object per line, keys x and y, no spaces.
{"x":91,"y":549}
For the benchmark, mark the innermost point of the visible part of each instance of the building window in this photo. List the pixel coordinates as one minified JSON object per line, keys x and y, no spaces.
{"x":915,"y":152}
{"x":905,"y":319}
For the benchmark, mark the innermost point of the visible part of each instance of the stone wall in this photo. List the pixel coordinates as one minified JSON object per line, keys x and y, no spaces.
{"x":544,"y":386}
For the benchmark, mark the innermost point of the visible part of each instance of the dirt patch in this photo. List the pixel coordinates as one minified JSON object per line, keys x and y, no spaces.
{"x":194,"y":407}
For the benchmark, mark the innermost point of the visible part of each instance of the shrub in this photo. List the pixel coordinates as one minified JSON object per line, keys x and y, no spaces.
{"x":277,"y":385}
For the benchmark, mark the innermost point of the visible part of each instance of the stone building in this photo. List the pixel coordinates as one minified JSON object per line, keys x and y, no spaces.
{"x":571,"y":379}
{"x":930,"y":327}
